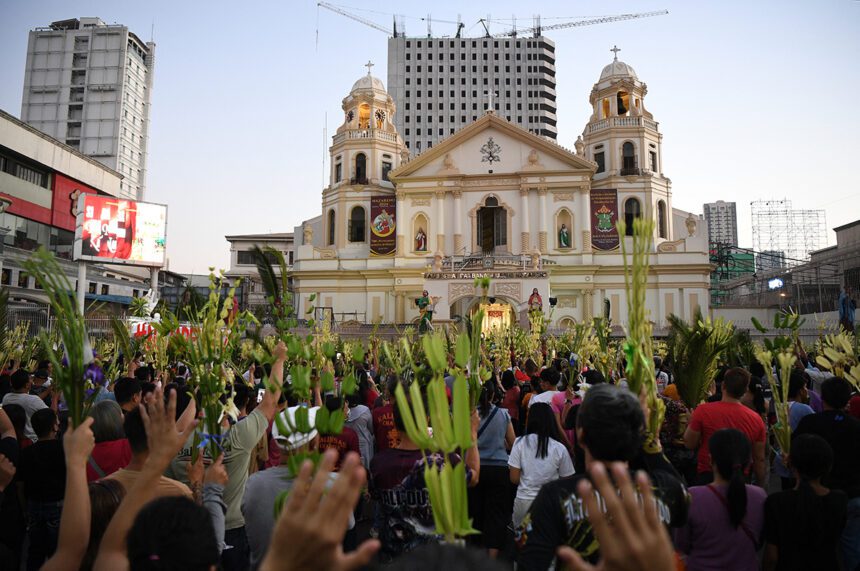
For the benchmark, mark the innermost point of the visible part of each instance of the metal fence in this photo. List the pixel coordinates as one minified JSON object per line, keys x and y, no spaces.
{"x":39,"y":318}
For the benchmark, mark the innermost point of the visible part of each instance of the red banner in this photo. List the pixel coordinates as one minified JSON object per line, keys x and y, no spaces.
{"x":604,"y":215}
{"x":383,"y":235}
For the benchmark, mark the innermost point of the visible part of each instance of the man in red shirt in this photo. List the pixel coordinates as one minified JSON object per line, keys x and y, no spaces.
{"x":384,"y":431}
{"x":346,"y":441}
{"x":729,"y":412}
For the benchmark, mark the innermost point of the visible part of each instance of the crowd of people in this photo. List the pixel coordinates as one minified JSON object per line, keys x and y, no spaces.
{"x":561,"y":474}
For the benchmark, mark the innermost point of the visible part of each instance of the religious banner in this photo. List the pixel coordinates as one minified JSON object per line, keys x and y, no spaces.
{"x":604,"y":215}
{"x":383,"y":239}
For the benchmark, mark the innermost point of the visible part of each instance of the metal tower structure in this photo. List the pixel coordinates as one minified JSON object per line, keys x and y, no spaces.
{"x":778,"y":228}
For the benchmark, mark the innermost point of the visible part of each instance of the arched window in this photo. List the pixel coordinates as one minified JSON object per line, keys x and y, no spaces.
{"x":632,"y":210}
{"x":628,"y":159}
{"x":492,"y":226}
{"x":331,"y":227}
{"x":360,"y":169}
{"x":364,"y":116}
{"x":661,"y":219}
{"x":357,"y":225}
{"x":623,"y":102}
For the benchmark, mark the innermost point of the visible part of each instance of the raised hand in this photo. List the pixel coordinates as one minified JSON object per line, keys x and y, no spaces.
{"x":216,"y":473}
{"x":631,"y":536}
{"x":310,"y":531}
{"x":165,"y":434}
{"x":78,"y":443}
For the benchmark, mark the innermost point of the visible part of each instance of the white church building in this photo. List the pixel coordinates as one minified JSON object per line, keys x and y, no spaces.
{"x":495,"y":200}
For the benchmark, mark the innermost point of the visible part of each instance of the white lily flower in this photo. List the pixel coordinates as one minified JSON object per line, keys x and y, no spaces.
{"x":229,"y":409}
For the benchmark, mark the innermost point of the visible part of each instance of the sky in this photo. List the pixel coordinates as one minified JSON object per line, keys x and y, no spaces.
{"x":755,"y":100}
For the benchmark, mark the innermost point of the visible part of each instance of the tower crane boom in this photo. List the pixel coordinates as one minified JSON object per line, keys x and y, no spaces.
{"x":350,"y":15}
{"x":537,"y":30}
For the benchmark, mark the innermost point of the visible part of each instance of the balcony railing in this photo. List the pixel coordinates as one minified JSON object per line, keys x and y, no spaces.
{"x":365,"y":134}
{"x":631,"y":171}
{"x":622,"y":122}
{"x":358,"y":180}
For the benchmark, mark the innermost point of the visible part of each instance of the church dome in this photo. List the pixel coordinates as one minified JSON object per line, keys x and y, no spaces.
{"x":368,"y":82}
{"x":617,"y":69}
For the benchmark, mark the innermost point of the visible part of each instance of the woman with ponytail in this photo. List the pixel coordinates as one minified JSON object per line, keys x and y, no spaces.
{"x":726,"y":518}
{"x":803,"y":525}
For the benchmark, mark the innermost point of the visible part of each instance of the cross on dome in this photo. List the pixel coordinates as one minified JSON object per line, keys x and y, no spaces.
{"x":369,"y":65}
{"x":615,"y":50}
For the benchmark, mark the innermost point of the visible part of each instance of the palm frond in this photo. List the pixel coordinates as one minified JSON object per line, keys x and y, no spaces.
{"x":267,"y":273}
{"x":695,"y":349}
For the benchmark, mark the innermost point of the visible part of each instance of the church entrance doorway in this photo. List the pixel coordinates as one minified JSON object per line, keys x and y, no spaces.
{"x":492,"y":227}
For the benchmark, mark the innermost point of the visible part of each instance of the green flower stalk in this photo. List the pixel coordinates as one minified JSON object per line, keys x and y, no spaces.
{"x":839,"y":356}
{"x":209,"y":352}
{"x":637,"y":347}
{"x":451,"y":430}
{"x":69,"y":322}
{"x":785,"y":360}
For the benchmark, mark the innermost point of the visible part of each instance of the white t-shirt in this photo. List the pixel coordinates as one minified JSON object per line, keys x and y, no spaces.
{"x":30,"y":404}
{"x":538,"y":471}
{"x":544,"y":397}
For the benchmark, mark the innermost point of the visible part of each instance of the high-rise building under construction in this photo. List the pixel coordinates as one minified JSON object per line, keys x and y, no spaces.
{"x":440,"y":85}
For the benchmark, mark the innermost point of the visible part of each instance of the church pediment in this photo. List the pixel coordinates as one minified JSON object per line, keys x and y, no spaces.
{"x":491,"y":145}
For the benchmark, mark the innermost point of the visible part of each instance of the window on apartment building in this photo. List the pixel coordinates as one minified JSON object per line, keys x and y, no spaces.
{"x":6,"y":277}
{"x":92,"y":287}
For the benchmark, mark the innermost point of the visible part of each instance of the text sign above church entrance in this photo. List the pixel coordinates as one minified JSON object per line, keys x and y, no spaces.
{"x":491,"y":275}
{"x":383,"y":236}
{"x":604,"y":216}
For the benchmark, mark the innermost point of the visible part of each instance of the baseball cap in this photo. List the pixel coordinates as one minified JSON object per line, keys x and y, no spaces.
{"x":296,"y":439}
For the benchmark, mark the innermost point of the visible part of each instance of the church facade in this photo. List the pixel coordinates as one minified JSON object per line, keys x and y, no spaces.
{"x":493,"y":200}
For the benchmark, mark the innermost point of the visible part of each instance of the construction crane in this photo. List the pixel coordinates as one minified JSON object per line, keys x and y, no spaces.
{"x":350,"y":15}
{"x":537,"y":29}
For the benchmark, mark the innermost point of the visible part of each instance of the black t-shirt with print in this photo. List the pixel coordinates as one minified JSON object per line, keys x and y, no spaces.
{"x":557,"y":516}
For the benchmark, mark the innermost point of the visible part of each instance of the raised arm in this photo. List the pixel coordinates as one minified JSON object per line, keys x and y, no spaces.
{"x":74,"y":536}
{"x":473,"y":457}
{"x":269,"y":405}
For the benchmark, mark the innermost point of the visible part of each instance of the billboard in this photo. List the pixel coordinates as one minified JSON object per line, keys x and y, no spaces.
{"x":120,"y":231}
{"x":383,"y":239}
{"x":604,"y":215}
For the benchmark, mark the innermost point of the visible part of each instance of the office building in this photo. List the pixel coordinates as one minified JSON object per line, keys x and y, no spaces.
{"x":440,"y":85}
{"x":89,"y":85}
{"x":722,"y":218}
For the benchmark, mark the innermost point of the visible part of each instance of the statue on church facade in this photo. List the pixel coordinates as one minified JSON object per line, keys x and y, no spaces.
{"x":563,"y":237}
{"x":426,"y":305}
{"x":535,"y":301}
{"x":579,"y":146}
{"x":308,"y":232}
{"x":420,"y":241}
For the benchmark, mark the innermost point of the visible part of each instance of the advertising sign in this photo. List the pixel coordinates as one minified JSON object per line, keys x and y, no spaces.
{"x":383,"y":236}
{"x":604,"y":215}
{"x":120,"y":231}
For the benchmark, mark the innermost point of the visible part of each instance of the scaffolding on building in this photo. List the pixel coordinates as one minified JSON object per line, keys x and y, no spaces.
{"x":786,"y":233}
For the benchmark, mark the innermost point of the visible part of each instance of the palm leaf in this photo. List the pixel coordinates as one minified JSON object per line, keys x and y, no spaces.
{"x":695,"y":349}
{"x":268,"y":277}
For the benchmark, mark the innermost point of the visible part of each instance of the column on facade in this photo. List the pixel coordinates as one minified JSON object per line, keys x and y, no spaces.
{"x":458,"y":223}
{"x":542,"y":224}
{"x":440,"y":221}
{"x":588,"y":305}
{"x":400,"y":225}
{"x":400,"y":307}
{"x":525,"y":236}
{"x":584,"y":215}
